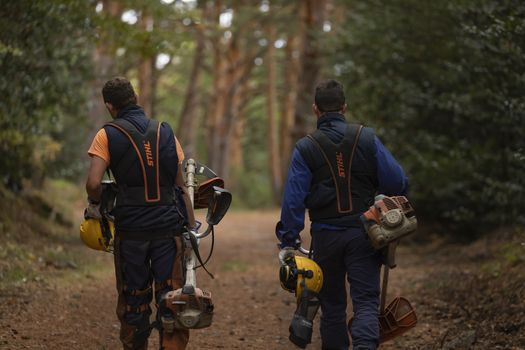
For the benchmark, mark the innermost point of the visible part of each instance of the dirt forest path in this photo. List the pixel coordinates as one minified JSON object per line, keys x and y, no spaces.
{"x":252,"y":311}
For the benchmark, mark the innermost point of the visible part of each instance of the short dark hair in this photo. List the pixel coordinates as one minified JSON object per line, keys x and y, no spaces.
{"x":119,"y":92}
{"x":329,"y":96}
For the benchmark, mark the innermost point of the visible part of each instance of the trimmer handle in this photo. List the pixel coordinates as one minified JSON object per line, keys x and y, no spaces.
{"x":305,"y":251}
{"x":200,"y":235}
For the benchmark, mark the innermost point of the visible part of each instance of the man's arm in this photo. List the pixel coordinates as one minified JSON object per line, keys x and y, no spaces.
{"x":390,"y":175}
{"x":99,"y":153}
{"x":96,"y":173}
{"x":185,"y":197}
{"x":296,"y":189}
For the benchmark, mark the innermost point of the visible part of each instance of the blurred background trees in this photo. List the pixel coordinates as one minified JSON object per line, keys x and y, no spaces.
{"x":442,"y":83}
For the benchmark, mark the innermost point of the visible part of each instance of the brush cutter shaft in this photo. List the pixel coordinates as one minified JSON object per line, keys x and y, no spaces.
{"x":190,"y":178}
{"x":384,"y":288}
{"x":189,"y":254}
{"x":189,"y":261}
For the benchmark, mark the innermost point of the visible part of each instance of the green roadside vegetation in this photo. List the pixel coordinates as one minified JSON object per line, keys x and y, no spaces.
{"x":476,"y":291}
{"x":40,"y":238}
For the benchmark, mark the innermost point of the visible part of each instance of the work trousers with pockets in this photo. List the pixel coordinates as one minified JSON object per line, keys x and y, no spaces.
{"x":348,"y":253}
{"x":144,"y":268}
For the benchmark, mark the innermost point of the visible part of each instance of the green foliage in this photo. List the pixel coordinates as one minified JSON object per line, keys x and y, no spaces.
{"x":443,"y":84}
{"x":44,"y":58}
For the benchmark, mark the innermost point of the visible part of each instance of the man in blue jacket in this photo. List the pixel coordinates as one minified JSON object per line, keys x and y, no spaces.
{"x":335,"y":173}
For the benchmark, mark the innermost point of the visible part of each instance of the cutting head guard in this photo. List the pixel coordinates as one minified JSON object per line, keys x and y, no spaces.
{"x":98,"y":234}
{"x":297,"y":269}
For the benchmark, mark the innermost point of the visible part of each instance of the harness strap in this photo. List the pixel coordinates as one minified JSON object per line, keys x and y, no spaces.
{"x":146,"y":146}
{"x":339,"y":160}
{"x":137,"y":292}
{"x":142,"y":308}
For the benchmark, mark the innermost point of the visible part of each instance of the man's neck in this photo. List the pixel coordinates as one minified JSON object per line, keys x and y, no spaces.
{"x":330,"y":116}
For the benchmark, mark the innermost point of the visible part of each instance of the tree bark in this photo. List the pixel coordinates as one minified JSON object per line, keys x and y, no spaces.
{"x":274,"y":162}
{"x":313,"y":14}
{"x":291,"y":75}
{"x":231,"y":71}
{"x":215,"y":127}
{"x":103,"y":63}
{"x":145,"y":72}
{"x":188,"y":120}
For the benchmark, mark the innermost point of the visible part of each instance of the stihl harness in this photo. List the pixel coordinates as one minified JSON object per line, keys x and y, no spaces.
{"x":337,"y":192}
{"x":339,"y":160}
{"x":146,"y":152}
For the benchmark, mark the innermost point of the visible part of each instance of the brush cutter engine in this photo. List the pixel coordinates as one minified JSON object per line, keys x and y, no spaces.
{"x":186,"y":308}
{"x":389,"y":219}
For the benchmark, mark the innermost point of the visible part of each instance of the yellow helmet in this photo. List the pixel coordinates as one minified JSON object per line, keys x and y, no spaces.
{"x":98,"y":234}
{"x":297,"y":269}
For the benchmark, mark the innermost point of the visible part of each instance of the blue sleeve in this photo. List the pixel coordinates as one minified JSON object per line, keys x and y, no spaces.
{"x":296,"y":189}
{"x":390,"y":175}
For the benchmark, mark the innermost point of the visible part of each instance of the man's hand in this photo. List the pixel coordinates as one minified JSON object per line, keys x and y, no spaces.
{"x":285,"y":253}
{"x":92,"y":211}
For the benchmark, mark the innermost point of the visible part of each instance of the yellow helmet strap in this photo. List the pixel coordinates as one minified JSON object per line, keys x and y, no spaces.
{"x":106,"y":232}
{"x":305,"y":273}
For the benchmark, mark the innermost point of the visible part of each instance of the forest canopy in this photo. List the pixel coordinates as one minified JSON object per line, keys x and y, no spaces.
{"x":442,"y":84}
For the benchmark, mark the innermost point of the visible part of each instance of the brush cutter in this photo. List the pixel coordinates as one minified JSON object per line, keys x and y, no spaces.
{"x":191,"y":307}
{"x":389,"y":219}
{"x":396,"y":318}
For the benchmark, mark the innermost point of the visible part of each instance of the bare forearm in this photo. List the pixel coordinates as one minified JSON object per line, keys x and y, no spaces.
{"x":94,"y":191}
{"x":96,"y":172}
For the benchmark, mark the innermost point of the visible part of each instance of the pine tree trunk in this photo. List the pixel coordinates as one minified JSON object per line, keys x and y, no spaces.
{"x":274,"y":163}
{"x":215,"y":119}
{"x":103,"y":66}
{"x":145,"y":73}
{"x":188,"y":120}
{"x":291,"y":76}
{"x":313,"y":13}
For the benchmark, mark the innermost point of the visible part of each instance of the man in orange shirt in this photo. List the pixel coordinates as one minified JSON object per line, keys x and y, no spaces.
{"x":152,"y":208}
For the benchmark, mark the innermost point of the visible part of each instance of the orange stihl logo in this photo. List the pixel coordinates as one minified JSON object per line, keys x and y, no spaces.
{"x":340,"y":165}
{"x":149,"y":155}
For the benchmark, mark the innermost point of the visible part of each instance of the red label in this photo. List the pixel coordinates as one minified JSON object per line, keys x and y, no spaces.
{"x":149,"y":155}
{"x":340,"y":165}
